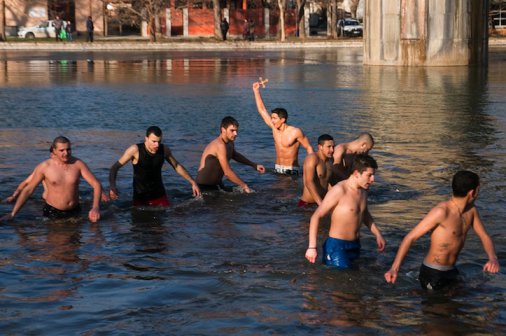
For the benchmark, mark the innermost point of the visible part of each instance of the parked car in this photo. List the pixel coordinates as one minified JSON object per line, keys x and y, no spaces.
{"x":42,"y":30}
{"x":349,"y":27}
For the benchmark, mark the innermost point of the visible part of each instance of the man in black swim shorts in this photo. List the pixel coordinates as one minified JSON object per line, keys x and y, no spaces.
{"x":449,"y":222}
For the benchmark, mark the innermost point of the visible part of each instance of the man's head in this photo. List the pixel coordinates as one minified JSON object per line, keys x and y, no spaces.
{"x":326,"y":145}
{"x":279,"y":116}
{"x":465,"y":181}
{"x":366,"y":142}
{"x":153,"y":138}
{"x":364,"y":167}
{"x":229,"y":127}
{"x":61,"y":149}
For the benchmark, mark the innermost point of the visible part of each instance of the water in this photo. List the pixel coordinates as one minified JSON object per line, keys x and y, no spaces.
{"x":234,"y":263}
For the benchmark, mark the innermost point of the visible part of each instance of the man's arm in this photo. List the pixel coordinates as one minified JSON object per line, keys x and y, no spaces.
{"x":18,"y":190}
{"x":339,"y":151}
{"x":260,"y":105}
{"x":492,"y":264}
{"x":94,"y":213}
{"x":304,"y":141}
{"x":433,"y":218}
{"x":221,"y":155}
{"x":245,"y":161}
{"x":369,"y":222}
{"x":329,"y":202}
{"x":309,"y":169}
{"x":37,"y":177}
{"x":128,"y":155}
{"x":181,"y":170}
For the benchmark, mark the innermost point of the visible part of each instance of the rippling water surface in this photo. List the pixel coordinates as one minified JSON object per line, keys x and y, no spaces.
{"x":234,"y":263}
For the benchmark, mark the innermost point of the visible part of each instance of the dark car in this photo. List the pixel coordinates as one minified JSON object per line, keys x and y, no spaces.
{"x":317,"y":24}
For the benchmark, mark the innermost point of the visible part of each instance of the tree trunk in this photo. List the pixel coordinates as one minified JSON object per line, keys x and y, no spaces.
{"x":281,"y":5}
{"x":217,"y":19}
{"x":3,"y":36}
{"x":301,"y":23}
{"x":333,"y":21}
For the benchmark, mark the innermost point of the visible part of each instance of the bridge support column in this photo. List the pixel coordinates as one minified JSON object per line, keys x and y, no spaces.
{"x":426,"y":32}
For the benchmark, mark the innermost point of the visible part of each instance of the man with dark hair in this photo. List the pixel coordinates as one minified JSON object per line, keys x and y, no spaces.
{"x":147,"y":161}
{"x":344,"y":154}
{"x":347,"y":201}
{"x":214,"y":163}
{"x":60,"y":174}
{"x":287,"y":139}
{"x":449,"y":222}
{"x":317,"y":172}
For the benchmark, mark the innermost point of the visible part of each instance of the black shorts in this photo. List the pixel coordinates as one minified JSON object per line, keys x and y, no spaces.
{"x":431,"y":278}
{"x":53,"y":213}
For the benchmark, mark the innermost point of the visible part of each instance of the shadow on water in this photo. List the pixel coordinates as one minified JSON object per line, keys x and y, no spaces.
{"x":232,"y":263}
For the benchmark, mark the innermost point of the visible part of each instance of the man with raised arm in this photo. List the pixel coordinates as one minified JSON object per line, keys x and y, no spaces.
{"x":147,"y":161}
{"x":449,"y":222}
{"x":344,"y":154}
{"x":347,"y":202}
{"x":317,"y":172}
{"x":287,"y":139}
{"x":214,"y":163}
{"x":61,"y":175}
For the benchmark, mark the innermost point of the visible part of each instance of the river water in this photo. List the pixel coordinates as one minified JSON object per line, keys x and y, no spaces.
{"x":234,"y":263}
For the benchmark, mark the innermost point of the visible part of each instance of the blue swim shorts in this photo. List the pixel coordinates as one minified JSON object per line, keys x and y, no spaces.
{"x":340,"y":253}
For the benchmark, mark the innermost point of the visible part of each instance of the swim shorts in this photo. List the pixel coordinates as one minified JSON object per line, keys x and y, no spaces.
{"x":305,"y":205}
{"x":286,"y":170}
{"x":53,"y":213}
{"x":160,"y":201}
{"x":340,"y":253}
{"x":437,"y":277}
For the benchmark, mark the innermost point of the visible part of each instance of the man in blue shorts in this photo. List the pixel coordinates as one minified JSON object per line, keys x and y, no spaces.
{"x":347,"y":201}
{"x":449,"y":222}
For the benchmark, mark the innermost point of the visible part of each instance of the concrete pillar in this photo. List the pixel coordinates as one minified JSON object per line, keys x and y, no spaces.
{"x":425,"y":32}
{"x":168,"y":23}
{"x":185,"y":22}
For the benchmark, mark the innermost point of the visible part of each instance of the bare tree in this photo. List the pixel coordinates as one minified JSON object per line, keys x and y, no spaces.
{"x":300,"y":23}
{"x":3,"y":36}
{"x":217,"y":18}
{"x":149,"y":11}
{"x":281,"y":6}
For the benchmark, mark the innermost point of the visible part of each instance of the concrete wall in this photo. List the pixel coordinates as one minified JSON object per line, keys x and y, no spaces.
{"x":425,"y":32}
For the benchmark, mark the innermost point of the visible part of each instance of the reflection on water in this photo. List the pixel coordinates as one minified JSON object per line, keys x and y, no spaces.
{"x":233,"y":263}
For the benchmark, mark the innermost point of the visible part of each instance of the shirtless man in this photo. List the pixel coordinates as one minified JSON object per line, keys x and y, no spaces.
{"x":287,"y":139}
{"x":449,"y":222}
{"x":147,"y":161}
{"x":317,"y":172}
{"x":61,"y":175}
{"x":348,"y":203}
{"x":214,"y":163}
{"x":344,"y":154}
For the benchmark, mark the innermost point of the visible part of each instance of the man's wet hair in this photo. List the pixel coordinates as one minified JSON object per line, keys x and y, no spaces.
{"x":366,"y":137}
{"x":463,"y":182}
{"x":227,"y":121}
{"x":363,"y":161}
{"x":155,"y":130}
{"x":281,"y":112}
{"x":57,"y":140}
{"x":324,"y":137}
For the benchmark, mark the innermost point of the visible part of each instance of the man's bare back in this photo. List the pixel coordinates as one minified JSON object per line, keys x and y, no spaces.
{"x":210,"y":171}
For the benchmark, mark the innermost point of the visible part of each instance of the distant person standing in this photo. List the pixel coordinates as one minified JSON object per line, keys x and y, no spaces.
{"x":68,"y":29}
{"x":224,"y":28}
{"x":245,"y":31}
{"x":58,"y":24}
{"x":89,"y":29}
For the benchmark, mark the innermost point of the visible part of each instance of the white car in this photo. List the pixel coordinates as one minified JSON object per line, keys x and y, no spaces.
{"x":349,"y":27}
{"x":45,"y":29}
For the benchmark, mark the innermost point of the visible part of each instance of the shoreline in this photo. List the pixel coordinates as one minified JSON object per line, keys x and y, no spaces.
{"x":111,"y":44}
